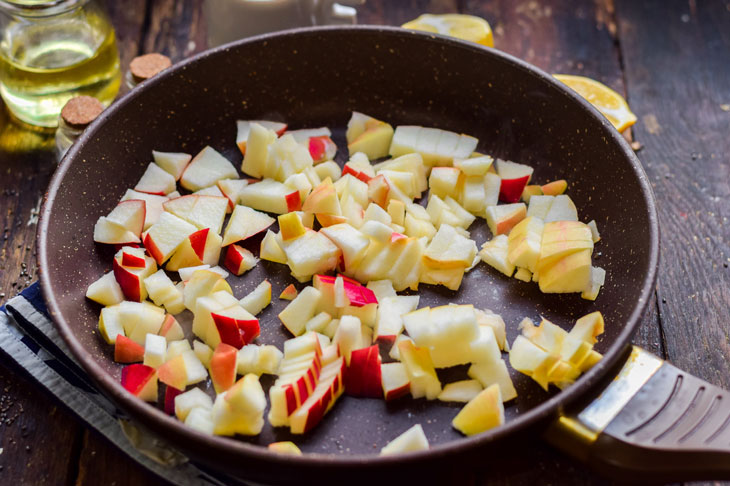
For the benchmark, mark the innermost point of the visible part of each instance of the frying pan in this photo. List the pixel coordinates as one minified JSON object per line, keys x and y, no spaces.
{"x":648,"y":418}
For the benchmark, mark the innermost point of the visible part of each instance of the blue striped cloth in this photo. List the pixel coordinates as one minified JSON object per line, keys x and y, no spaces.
{"x":29,"y":338}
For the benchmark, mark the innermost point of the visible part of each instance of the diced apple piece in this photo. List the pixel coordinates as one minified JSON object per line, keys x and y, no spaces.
{"x":190,"y":400}
{"x":524,"y":243}
{"x":474,"y":166}
{"x":390,"y":316}
{"x":105,"y":291}
{"x":598,"y":278}
{"x":437,"y":147}
{"x":328,"y":169}
{"x":110,"y":324}
{"x":258,"y":299}
{"x":350,"y":241}
{"x":155,"y":350}
{"x":514,"y":179}
{"x":173,"y":163}
{"x":239,"y":260}
{"x":285,"y":447}
{"x":420,"y":369}
{"x":207,"y":168}
{"x":203,"y":352}
{"x":495,"y":254}
{"x":223,"y":367}
{"x":529,"y":191}
{"x":460,"y":391}
{"x":445,"y":181}
{"x":554,"y":188}
{"x":323,"y":200}
{"x":321,"y":148}
{"x":347,"y":337}
{"x":368,"y":135}
{"x":163,"y":238}
{"x":153,"y":205}
{"x":271,"y":249}
{"x":321,"y":400}
{"x":413,"y":439}
{"x":244,"y":223}
{"x":449,"y":249}
{"x":140,"y":381}
{"x":155,"y":180}
{"x":483,"y":412}
{"x":127,"y":351}
{"x":240,"y":410}
{"x":362,"y":376}
{"x":289,"y":293}
{"x":131,"y":278}
{"x":243,"y":129}
{"x":200,"y":211}
{"x":106,"y":231}
{"x":395,"y":380}
{"x":562,"y":209}
{"x":311,"y":253}
{"x":300,"y":310}
{"x":501,"y":219}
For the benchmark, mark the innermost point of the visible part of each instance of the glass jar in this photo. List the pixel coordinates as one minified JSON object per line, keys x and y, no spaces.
{"x":51,"y":51}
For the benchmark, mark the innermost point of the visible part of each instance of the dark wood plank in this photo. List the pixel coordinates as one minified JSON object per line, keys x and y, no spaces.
{"x":102,"y":463}
{"x":31,"y":430}
{"x":177,"y":28}
{"x":128,"y":18}
{"x":388,"y":12}
{"x":676,"y":57}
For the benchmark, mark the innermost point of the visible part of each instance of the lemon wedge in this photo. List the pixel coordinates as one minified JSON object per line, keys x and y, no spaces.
{"x":466,"y":27}
{"x":607,"y":101}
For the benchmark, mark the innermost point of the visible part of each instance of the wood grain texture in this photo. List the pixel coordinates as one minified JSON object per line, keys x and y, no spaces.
{"x":128,"y":18}
{"x":31,"y":430}
{"x":676,"y":57}
{"x":176,"y":28}
{"x":388,"y":12}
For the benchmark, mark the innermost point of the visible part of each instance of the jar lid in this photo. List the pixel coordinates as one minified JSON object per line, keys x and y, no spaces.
{"x":78,"y":112}
{"x":148,"y":65}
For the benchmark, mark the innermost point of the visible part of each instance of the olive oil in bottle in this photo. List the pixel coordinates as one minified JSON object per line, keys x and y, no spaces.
{"x":52,"y":51}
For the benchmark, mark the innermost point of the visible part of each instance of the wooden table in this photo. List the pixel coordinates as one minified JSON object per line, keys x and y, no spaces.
{"x":672,"y":61}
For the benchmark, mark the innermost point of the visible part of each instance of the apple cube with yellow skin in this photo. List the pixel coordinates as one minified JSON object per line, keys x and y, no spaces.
{"x":240,"y":410}
{"x":482,"y":413}
{"x":271,"y":248}
{"x":448,"y":249}
{"x":554,"y":188}
{"x":474,"y":166}
{"x":523,"y":243}
{"x":561,"y":238}
{"x":368,"y":135}
{"x":501,"y":219}
{"x":446,"y":181}
{"x":410,"y":163}
{"x":420,"y":369}
{"x":548,"y":336}
{"x":285,"y":447}
{"x":571,"y":273}
{"x":413,"y":439}
{"x":495,"y":253}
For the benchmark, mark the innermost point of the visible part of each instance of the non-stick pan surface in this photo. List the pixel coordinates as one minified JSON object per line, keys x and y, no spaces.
{"x":316,"y":77}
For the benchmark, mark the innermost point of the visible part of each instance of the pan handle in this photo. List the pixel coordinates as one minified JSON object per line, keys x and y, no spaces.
{"x":653,"y":421}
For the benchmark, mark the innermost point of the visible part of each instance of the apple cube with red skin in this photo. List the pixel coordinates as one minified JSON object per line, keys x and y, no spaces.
{"x":501,"y":219}
{"x":271,"y":196}
{"x":289,"y":293}
{"x":131,"y":279}
{"x":363,"y":376}
{"x":321,"y":400}
{"x":321,"y":148}
{"x":358,"y":174}
{"x":223,"y":367}
{"x":127,"y":351}
{"x":244,"y":223}
{"x":156,"y":180}
{"x":233,"y":331}
{"x":170,"y":394}
{"x":171,"y":329}
{"x":231,"y":189}
{"x":153,"y":205}
{"x":200,"y":248}
{"x":395,"y":381}
{"x":514,"y":179}
{"x":164,"y":237}
{"x":140,"y":381}
{"x":239,"y":260}
{"x":207,"y":168}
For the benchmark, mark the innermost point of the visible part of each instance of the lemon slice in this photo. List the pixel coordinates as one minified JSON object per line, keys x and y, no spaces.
{"x":607,"y":101}
{"x":466,"y":27}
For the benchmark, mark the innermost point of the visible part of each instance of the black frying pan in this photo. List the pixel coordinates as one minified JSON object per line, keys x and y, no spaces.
{"x":315,"y":77}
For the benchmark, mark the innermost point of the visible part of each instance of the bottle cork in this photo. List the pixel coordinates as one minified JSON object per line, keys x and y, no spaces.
{"x":80,"y":111}
{"x":146,"y":66}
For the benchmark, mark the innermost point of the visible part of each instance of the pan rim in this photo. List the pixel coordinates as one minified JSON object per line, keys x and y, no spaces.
{"x":165,"y":425}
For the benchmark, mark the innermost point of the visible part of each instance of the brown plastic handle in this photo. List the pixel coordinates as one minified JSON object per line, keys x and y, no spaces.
{"x":675,"y":427}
